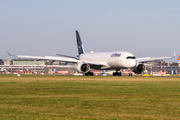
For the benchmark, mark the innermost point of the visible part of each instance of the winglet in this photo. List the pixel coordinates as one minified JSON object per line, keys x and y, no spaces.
{"x":10,"y":54}
{"x":174,"y":53}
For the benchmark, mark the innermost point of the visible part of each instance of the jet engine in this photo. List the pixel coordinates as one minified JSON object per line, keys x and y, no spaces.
{"x":139,"y":69}
{"x":83,"y":67}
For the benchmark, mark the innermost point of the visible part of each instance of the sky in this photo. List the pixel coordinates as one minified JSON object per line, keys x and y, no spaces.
{"x":44,"y":27}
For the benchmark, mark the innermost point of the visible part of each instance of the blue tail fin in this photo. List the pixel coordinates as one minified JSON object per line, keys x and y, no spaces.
{"x":79,"y":44}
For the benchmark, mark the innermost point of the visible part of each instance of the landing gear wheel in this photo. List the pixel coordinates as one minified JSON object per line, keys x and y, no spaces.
{"x":117,"y":74}
{"x":130,"y":74}
{"x":89,"y":74}
{"x":114,"y":73}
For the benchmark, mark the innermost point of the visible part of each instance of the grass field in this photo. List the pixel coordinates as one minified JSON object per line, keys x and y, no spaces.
{"x":90,"y":98}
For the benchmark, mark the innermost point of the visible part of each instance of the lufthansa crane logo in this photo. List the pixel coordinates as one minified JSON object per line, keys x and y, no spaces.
{"x":115,"y":55}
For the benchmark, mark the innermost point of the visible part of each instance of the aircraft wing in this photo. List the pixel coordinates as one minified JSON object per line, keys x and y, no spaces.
{"x":50,"y":58}
{"x":65,"y":59}
{"x":147,"y":59}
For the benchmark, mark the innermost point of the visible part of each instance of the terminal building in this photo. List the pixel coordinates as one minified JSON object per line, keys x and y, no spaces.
{"x":159,"y":67}
{"x":19,"y":65}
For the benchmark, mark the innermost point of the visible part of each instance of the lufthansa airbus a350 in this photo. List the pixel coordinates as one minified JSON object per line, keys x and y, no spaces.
{"x":85,"y":62}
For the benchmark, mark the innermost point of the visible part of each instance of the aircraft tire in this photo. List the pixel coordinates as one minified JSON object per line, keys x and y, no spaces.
{"x":89,"y":74}
{"x":130,"y":74}
{"x":114,"y":74}
{"x":119,"y":74}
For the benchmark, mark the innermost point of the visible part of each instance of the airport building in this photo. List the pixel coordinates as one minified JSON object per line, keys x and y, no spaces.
{"x":3,"y":62}
{"x":19,"y":65}
{"x":18,"y":61}
{"x":162,"y":67}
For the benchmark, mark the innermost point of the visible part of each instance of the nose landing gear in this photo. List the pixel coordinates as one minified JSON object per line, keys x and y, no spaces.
{"x":130,"y":73}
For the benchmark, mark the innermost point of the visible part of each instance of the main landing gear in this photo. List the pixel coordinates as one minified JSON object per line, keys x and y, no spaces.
{"x":89,"y":74}
{"x":117,"y":73}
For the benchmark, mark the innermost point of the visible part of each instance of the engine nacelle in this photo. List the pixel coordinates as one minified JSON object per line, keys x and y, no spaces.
{"x":139,"y":69}
{"x":83,"y":67}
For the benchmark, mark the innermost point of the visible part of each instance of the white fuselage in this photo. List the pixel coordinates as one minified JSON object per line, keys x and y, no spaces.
{"x":114,"y":60}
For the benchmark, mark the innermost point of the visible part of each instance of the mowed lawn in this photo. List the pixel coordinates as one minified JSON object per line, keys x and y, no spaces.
{"x":90,"y":98}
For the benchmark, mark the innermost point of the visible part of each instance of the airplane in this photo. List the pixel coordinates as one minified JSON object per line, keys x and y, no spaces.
{"x":85,"y":62}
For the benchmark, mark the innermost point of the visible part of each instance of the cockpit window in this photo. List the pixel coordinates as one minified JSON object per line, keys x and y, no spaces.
{"x":131,"y":57}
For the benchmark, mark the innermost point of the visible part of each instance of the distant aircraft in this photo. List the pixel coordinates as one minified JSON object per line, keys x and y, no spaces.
{"x":85,"y":62}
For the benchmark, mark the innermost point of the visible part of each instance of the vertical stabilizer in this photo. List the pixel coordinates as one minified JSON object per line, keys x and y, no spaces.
{"x":79,"y":44}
